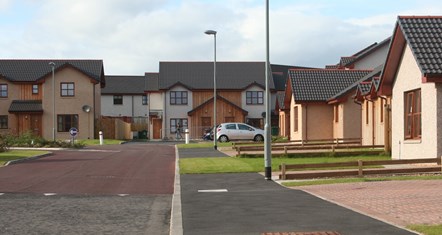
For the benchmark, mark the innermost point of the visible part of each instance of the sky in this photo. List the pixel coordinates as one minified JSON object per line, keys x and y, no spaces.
{"x":133,"y":36}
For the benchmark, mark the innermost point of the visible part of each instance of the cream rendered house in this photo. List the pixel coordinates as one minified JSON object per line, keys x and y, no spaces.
{"x":412,"y":76}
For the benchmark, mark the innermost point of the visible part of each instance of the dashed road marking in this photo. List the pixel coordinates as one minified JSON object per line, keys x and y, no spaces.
{"x":123,"y":195}
{"x":49,"y":194}
{"x":212,"y":191}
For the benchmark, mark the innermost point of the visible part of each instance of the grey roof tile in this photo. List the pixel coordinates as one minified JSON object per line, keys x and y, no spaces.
{"x":128,"y":85}
{"x":322,"y":84}
{"x":25,"y":106}
{"x":199,"y":75}
{"x":152,"y":82}
{"x":33,"y":70}
{"x":280,"y":96}
{"x":424,"y":36}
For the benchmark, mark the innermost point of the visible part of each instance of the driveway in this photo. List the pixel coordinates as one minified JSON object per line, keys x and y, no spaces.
{"x":123,"y":189}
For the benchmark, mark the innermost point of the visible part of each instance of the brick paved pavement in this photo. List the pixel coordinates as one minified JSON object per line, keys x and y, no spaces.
{"x":398,"y":202}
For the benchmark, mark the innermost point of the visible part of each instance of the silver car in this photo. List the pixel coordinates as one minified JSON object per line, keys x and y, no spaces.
{"x":238,"y":131}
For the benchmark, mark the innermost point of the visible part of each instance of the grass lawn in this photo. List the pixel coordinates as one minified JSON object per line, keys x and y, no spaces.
{"x":241,"y":165}
{"x":427,"y":229}
{"x":18,"y":154}
{"x":97,"y":141}
{"x":356,"y":180}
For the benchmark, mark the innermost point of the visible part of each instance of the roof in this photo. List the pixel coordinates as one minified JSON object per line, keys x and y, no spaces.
{"x":322,"y":84}
{"x":370,"y":76}
{"x":125,"y":85}
{"x":199,"y":75}
{"x":152,"y":83}
{"x":424,"y":36}
{"x":27,"y":106}
{"x":280,"y":73}
{"x":34,"y":70}
{"x":280,"y":96}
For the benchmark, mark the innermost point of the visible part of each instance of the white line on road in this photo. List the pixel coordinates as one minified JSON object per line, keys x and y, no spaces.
{"x":123,"y":195}
{"x":1,"y":194}
{"x":212,"y":191}
{"x":49,"y":194}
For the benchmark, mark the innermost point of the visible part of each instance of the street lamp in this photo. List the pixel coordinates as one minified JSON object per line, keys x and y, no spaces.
{"x":213,"y":32}
{"x":267,"y":126}
{"x":52,"y":64}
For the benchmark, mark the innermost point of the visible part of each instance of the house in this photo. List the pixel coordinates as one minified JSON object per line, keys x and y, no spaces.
{"x":412,"y":76}
{"x":376,"y":115}
{"x":29,"y":102}
{"x":308,"y":95}
{"x":188,"y":95}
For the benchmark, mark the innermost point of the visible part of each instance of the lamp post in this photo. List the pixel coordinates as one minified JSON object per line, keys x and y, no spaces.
{"x":52,"y":64}
{"x":213,"y":32}
{"x":267,"y":126}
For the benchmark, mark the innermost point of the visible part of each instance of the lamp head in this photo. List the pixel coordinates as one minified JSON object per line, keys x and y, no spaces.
{"x":210,"y":32}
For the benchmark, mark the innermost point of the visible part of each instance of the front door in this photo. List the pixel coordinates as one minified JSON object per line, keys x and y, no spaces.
{"x":36,"y":124}
{"x":156,"y":128}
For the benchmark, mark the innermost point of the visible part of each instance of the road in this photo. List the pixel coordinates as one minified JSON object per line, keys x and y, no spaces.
{"x":122,"y":189}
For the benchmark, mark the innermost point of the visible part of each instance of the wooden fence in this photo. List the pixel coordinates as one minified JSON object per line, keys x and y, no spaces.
{"x":359,"y":171}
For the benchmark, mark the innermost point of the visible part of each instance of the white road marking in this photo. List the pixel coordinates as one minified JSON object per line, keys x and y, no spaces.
{"x":49,"y":194}
{"x":123,"y":195}
{"x":212,"y":191}
{"x":1,"y":194}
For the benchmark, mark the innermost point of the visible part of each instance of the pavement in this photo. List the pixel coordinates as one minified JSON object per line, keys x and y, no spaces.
{"x":248,"y":204}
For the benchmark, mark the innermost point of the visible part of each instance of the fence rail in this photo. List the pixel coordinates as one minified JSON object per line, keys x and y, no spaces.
{"x":360,"y":171}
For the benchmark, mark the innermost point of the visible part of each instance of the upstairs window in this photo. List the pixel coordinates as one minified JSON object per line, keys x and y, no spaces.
{"x":412,"y":114}
{"x":144,"y":99}
{"x":3,"y":90}
{"x":178,"y":97}
{"x":118,"y":99}
{"x":35,"y":89}
{"x":67,"y":89}
{"x":255,"y":97}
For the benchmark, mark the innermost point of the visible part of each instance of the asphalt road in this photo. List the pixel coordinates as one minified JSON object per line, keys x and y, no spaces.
{"x":248,"y":204}
{"x":124,"y":189}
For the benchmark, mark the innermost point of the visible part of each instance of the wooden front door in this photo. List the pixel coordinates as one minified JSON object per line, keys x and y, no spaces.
{"x":206,"y":124}
{"x":156,"y":128}
{"x":29,"y":123}
{"x":36,"y":124}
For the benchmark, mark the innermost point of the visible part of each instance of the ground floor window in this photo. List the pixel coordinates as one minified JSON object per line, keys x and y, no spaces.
{"x":66,"y":122}
{"x":256,"y":122}
{"x":4,"y":122}
{"x":176,"y":123}
{"x":412,"y":115}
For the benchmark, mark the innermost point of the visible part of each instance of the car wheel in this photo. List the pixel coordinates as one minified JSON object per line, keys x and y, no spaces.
{"x":258,"y":138}
{"x":223,"y":138}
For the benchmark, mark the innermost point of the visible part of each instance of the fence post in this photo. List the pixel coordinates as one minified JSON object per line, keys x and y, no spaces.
{"x":283,"y":170}
{"x":360,"y":172}
{"x":238,"y":150}
{"x":285,"y":150}
{"x":333,"y":149}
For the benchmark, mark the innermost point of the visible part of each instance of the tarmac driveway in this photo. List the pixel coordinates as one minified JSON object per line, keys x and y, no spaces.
{"x":124,"y":189}
{"x":248,"y":204}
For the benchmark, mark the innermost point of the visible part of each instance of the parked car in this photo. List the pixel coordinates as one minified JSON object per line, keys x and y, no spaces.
{"x":238,"y":131}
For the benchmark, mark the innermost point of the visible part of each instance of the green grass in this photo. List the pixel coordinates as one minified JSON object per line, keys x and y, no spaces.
{"x":241,"y":165}
{"x":208,"y":144}
{"x":357,"y":180}
{"x":18,"y":154}
{"x":89,"y":142}
{"x":427,"y":229}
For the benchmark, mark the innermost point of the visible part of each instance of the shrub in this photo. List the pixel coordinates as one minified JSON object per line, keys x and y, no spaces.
{"x":3,"y":144}
{"x":27,"y":139}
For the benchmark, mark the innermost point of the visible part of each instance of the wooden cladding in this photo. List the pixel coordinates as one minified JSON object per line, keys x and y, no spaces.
{"x":28,"y":92}
{"x":203,"y":96}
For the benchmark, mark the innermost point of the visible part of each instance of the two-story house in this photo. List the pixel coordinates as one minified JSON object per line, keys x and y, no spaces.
{"x":189,"y":95}
{"x":49,"y":97}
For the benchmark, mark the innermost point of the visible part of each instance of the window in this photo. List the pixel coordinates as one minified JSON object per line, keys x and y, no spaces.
{"x":367,"y":112}
{"x":254,"y":97}
{"x":118,"y":99}
{"x":231,"y":126}
{"x":412,"y":114}
{"x":336,"y":113}
{"x":3,"y":90}
{"x":35,"y":89}
{"x":244,"y":127}
{"x":67,"y":89}
{"x":4,"y":122}
{"x":178,"y":97}
{"x":382,"y":110}
{"x":295,"y":118}
{"x":144,"y":99}
{"x":175,"y":121}
{"x":66,"y":122}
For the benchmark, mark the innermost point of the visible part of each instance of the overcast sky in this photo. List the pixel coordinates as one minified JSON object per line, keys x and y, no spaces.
{"x":132,"y":36}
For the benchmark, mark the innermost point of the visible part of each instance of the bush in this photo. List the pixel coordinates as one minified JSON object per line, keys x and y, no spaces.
{"x":27,"y":139}
{"x":3,"y":144}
